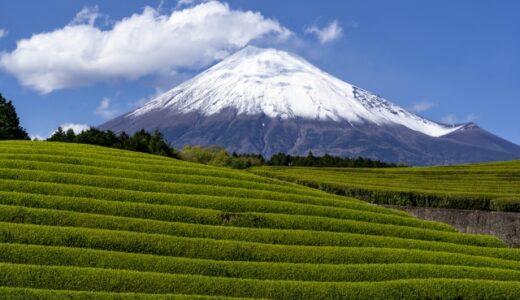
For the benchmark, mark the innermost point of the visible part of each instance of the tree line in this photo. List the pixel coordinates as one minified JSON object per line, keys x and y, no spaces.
{"x":215,"y":155}
{"x":282,"y":159}
{"x":141,"y":141}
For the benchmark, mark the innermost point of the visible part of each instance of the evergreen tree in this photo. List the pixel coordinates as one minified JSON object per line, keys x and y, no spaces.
{"x":70,"y":136}
{"x":58,"y":136}
{"x":10,"y":128}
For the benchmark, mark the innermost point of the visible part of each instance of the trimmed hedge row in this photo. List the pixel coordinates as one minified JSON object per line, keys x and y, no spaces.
{"x":146,"y":185}
{"x":227,"y":203}
{"x":125,"y":156}
{"x":12,"y":293}
{"x":162,"y":169}
{"x":356,"y":215}
{"x":394,"y":196}
{"x":208,"y":212}
{"x":62,"y":256}
{"x":74,"y":278}
{"x":86,"y":222}
{"x":331,"y":238}
{"x":17,"y":214}
{"x":175,"y":188}
{"x":506,"y":204}
{"x":270,"y":220}
{"x":232,"y":250}
{"x":426,"y":187}
{"x":162,"y":177}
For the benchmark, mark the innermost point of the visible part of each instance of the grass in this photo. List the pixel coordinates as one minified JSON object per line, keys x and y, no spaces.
{"x":487,"y":186}
{"x":86,"y":222}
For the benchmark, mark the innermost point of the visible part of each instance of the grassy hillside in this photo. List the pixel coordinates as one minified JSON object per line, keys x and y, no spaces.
{"x":490,"y":186}
{"x":86,"y":222}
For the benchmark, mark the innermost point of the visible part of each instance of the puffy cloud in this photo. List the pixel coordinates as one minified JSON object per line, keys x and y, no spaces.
{"x":422,"y":106}
{"x":143,"y":44}
{"x":3,"y":33}
{"x":105,"y":110}
{"x":327,"y":34}
{"x":77,"y":128}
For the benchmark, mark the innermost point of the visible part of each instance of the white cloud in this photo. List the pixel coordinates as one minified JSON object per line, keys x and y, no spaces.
{"x":37,"y":137}
{"x":87,"y":15}
{"x":449,"y":119}
{"x":105,"y":110}
{"x":3,"y":33}
{"x":327,"y":34}
{"x":453,"y":119}
{"x":422,"y":106}
{"x":182,"y":3}
{"x":77,"y":128}
{"x":143,"y":44}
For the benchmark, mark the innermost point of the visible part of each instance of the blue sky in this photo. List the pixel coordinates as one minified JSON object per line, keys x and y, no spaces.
{"x":452,"y":61}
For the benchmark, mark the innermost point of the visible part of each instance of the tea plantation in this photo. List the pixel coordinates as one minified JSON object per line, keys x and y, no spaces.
{"x":488,"y":186}
{"x":86,"y":222}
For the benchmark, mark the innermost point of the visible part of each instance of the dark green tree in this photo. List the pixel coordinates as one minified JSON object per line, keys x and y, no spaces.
{"x":10,"y":128}
{"x":58,"y":136}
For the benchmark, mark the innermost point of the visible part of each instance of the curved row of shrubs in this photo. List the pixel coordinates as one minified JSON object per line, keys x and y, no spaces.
{"x":86,"y":222}
{"x":90,"y":279}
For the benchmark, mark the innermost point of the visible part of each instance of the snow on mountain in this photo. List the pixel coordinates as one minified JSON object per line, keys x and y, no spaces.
{"x":282,"y":85}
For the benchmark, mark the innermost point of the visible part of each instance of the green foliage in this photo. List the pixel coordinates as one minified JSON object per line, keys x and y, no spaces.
{"x":189,"y":194}
{"x":13,"y":293}
{"x":10,"y":128}
{"x":67,"y":256}
{"x":302,"y":236}
{"x":205,"y":248}
{"x":141,"y":141}
{"x":282,"y":159}
{"x":213,"y":155}
{"x":217,"y":156}
{"x":510,"y":204}
{"x":89,"y":222}
{"x":482,"y":186}
{"x":245,"y":216}
{"x":88,"y":279}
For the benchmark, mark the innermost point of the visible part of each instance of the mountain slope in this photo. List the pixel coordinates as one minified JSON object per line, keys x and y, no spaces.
{"x":267,"y":101}
{"x":87,"y":222}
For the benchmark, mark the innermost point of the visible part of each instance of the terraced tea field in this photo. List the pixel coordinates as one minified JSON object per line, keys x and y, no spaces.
{"x":86,"y":222}
{"x":489,"y":186}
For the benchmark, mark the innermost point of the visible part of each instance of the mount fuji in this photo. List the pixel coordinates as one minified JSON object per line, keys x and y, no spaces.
{"x":268,"y":101}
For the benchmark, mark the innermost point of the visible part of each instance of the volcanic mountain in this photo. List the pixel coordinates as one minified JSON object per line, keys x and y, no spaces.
{"x":268,"y":101}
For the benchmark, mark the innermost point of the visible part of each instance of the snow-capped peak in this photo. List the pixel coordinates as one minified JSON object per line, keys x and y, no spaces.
{"x":283,"y":85}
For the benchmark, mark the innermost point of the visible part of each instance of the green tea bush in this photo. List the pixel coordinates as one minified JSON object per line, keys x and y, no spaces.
{"x":166,"y":245}
{"x":184,"y":199}
{"x":94,"y":280}
{"x":65,"y":256}
{"x":204,"y":207}
{"x":506,"y":204}
{"x":87,"y":222}
{"x":460,"y":187}
{"x":16,"y":214}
